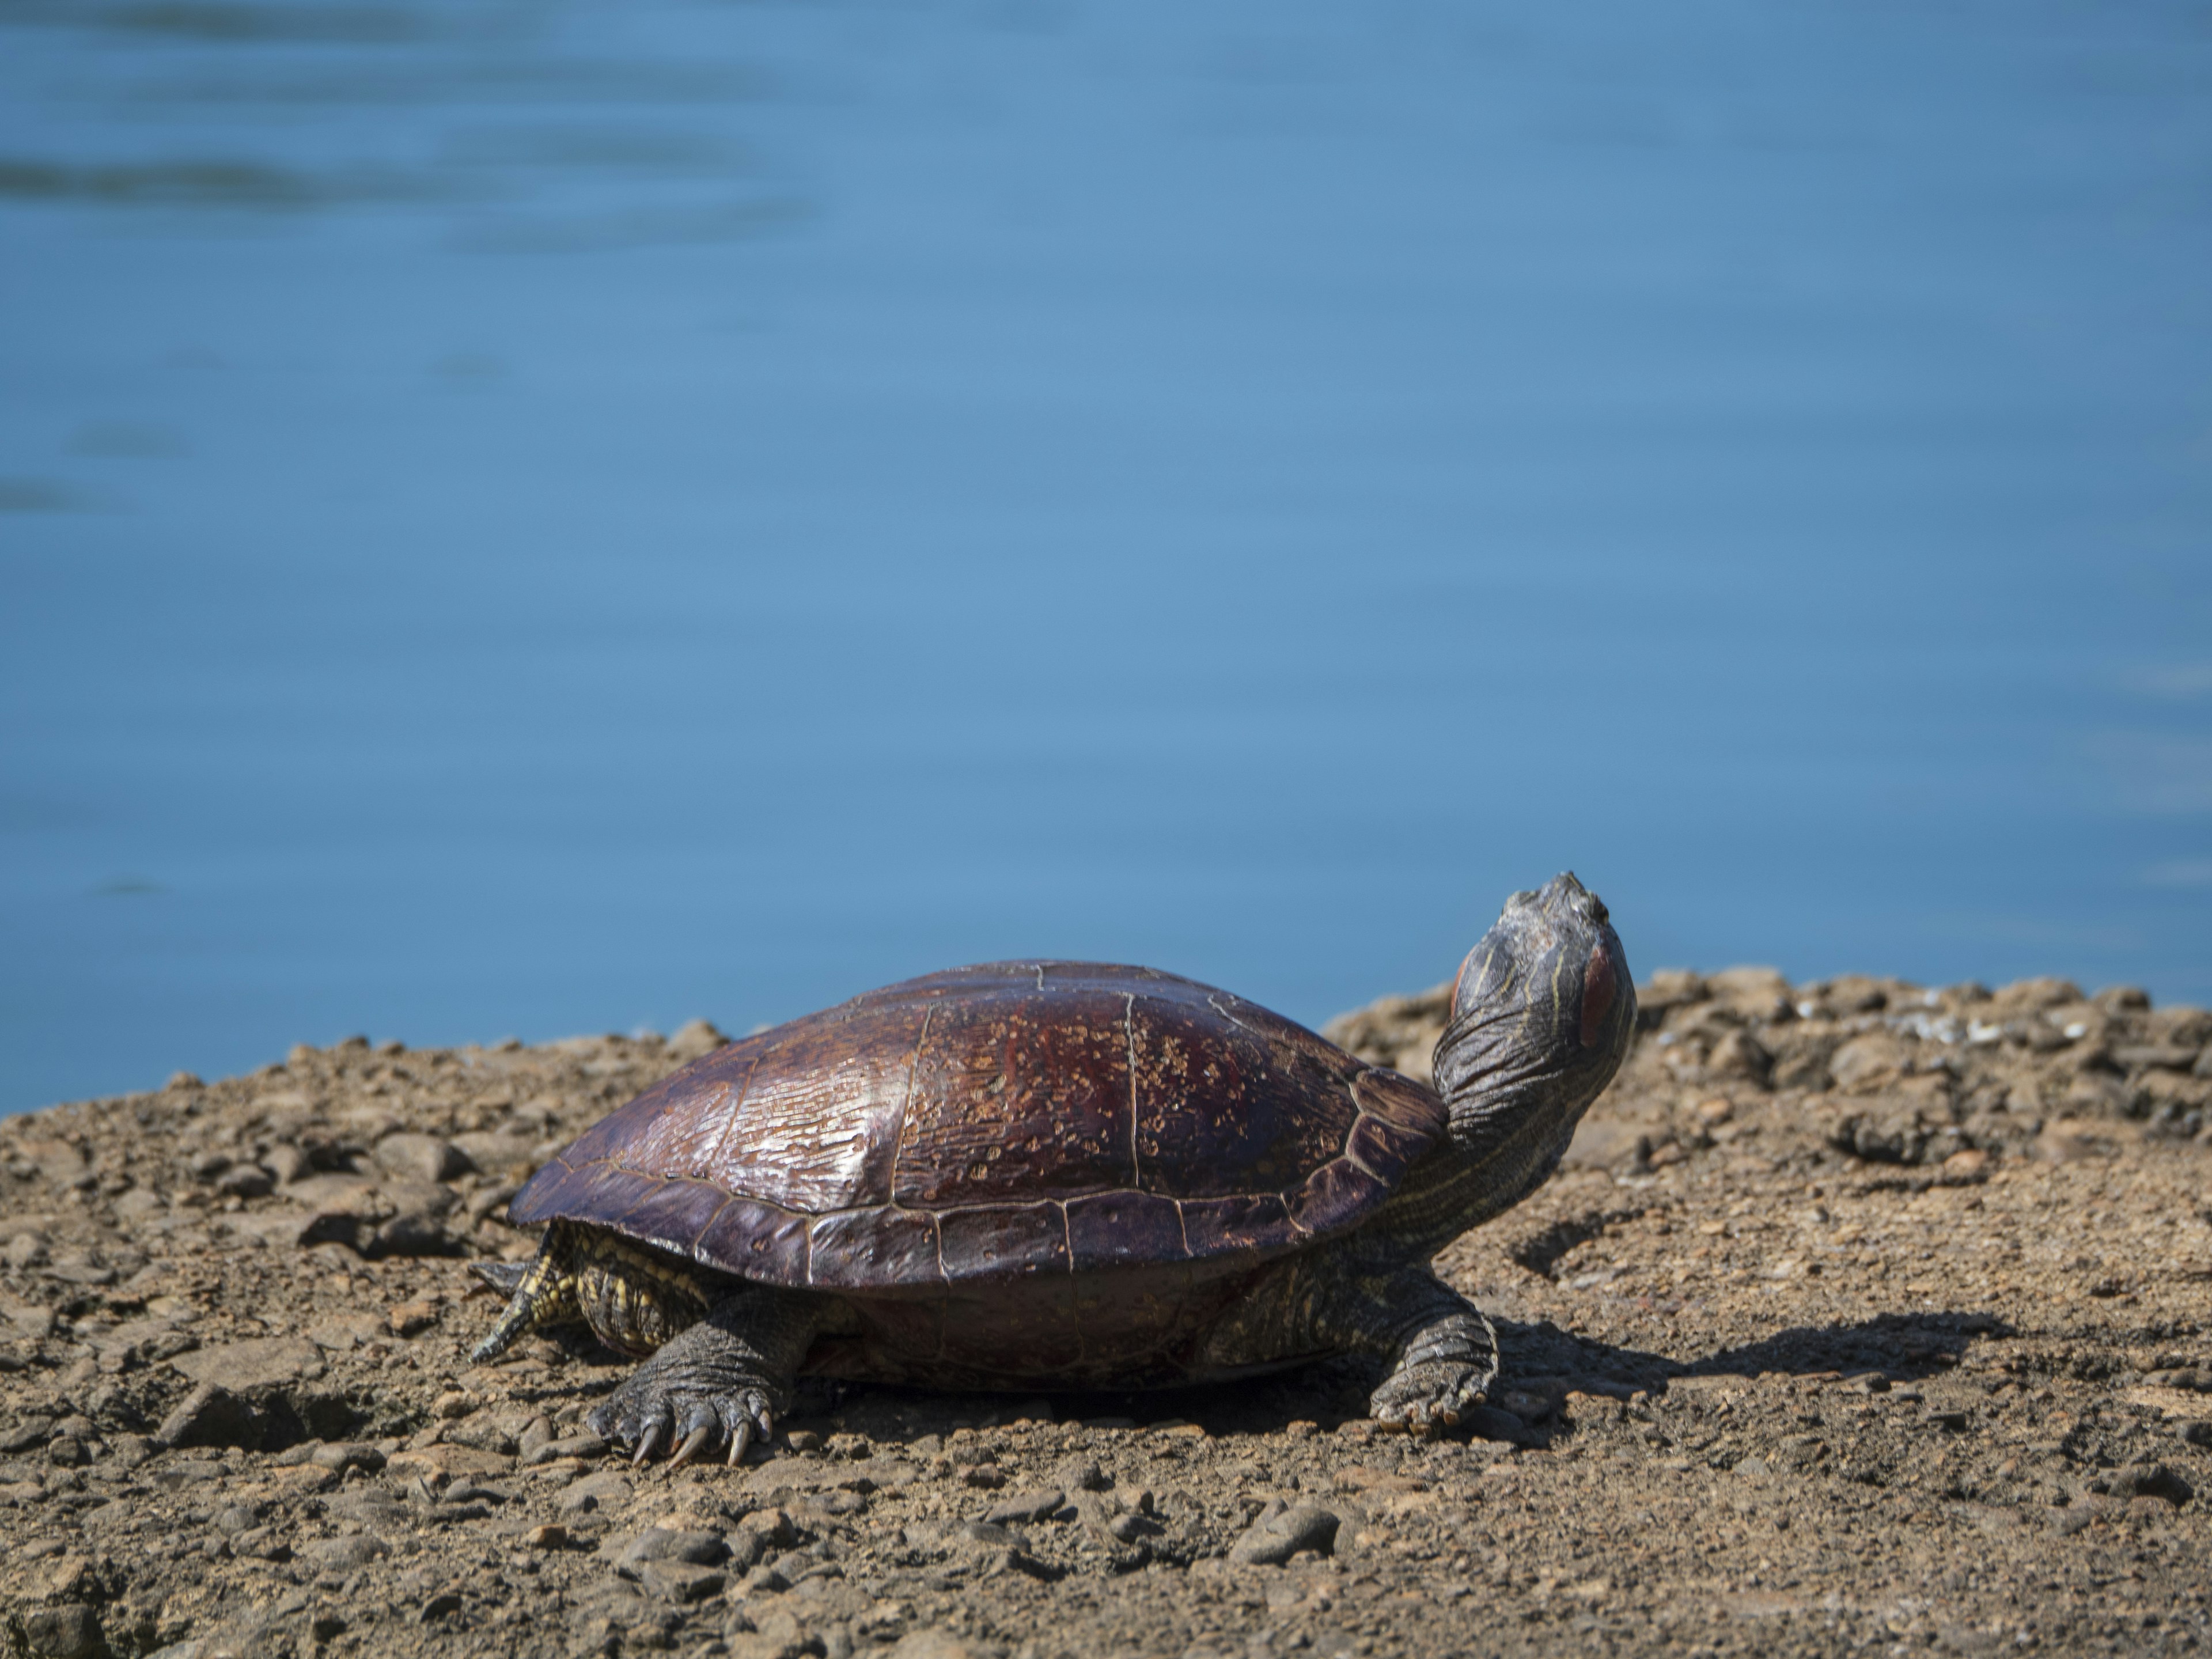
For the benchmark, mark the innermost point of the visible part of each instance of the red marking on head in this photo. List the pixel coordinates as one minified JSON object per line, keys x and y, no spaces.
{"x":1597,"y":994}
{"x":1459,"y":984}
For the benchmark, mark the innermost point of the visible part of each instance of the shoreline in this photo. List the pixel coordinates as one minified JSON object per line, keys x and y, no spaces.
{"x":1859,"y":1312}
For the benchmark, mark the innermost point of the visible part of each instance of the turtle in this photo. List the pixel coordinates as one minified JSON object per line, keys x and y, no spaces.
{"x":1039,"y":1175}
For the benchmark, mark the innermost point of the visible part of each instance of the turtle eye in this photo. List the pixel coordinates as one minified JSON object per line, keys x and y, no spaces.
{"x":1598,"y":989}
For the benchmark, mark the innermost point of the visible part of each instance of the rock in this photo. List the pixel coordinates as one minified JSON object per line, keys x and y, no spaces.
{"x":2194,"y":1432}
{"x":549,"y":1537}
{"x":346,"y":1553}
{"x":336,"y":1193}
{"x":371,"y":1506}
{"x":412,"y":1157}
{"x":932,"y":1644}
{"x":447,"y":1459}
{"x":412,"y":1318}
{"x":1751,"y":994}
{"x":771,"y":1528}
{"x":700,"y":1549}
{"x":498,"y":1153}
{"x":574,"y":1445}
{"x":1279,"y":1534}
{"x":594,"y":1492}
{"x":1081,"y":1474}
{"x":138,"y":1205}
{"x":537,"y":1432}
{"x":27,"y":1317}
{"x":27,"y":1249}
{"x":1527,"y":1404}
{"x":343,"y":1455}
{"x":287,"y":1163}
{"x":245,"y":1181}
{"x":1026,"y":1506}
{"x":64,"y":1632}
{"x":1740,"y":1055}
{"x":213,"y":1416}
{"x":1867,"y":1062}
{"x":260,"y":1362}
{"x":694,"y":1037}
{"x":1891,"y":1132}
{"x":1488,"y":1423}
{"x":680,"y":1581}
{"x":413,"y":1232}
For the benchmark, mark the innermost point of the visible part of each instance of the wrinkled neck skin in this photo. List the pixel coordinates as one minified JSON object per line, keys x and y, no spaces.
{"x":1542,"y":1016}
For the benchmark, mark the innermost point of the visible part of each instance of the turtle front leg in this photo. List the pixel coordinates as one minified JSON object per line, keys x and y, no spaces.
{"x":1443,"y":1356}
{"x":721,"y":1381}
{"x":1440,"y":1353}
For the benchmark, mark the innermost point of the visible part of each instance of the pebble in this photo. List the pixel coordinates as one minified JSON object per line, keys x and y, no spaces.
{"x":287,"y":1163}
{"x":585,"y":1446}
{"x":594,"y":1492}
{"x":1081,"y":1474}
{"x":245,"y":1181}
{"x":1279,"y":1533}
{"x":256,"y":1363}
{"x":71,"y":1631}
{"x":210,"y":1415}
{"x":413,"y":1232}
{"x":703,"y":1549}
{"x":423,"y":1158}
{"x":932,"y":1644}
{"x":352,"y":1550}
{"x":1026,"y":1506}
{"x":680,"y":1581}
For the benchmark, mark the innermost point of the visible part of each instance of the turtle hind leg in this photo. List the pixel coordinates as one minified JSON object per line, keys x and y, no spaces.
{"x":721,"y":1384}
{"x":505,"y":1277}
{"x":542,"y":1293}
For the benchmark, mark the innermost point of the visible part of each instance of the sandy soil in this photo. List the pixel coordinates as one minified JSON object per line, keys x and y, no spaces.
{"x":1862,"y":1317}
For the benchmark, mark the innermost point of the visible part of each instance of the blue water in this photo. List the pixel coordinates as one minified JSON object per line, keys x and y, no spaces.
{"x":533,"y":519}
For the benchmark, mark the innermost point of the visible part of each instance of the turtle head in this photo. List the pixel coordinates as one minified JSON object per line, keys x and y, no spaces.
{"x":1541,"y":1015}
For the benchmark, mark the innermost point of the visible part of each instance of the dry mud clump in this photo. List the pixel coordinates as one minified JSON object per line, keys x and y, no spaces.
{"x":1862,"y":1317}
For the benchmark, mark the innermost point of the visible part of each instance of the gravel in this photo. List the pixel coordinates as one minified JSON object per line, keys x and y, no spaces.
{"x":1861,"y":1315}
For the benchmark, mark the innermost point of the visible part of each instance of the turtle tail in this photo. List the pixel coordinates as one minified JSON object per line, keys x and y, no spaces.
{"x":543,"y":1294}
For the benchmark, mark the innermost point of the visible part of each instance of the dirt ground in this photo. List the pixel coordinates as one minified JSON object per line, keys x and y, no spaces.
{"x":1862,"y":1317}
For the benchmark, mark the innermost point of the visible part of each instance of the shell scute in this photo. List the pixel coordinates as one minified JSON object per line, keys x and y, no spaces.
{"x":1124,"y":1230}
{"x":862,"y":1249}
{"x":1005,"y":1240}
{"x":760,"y":1241}
{"x":1035,"y":1095}
{"x":1335,"y":1196}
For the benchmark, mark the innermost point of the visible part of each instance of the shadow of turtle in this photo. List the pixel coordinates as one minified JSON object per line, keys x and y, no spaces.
{"x":1540,"y":1365}
{"x":1903,"y":1347}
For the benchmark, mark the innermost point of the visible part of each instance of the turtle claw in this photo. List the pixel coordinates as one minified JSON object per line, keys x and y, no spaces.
{"x":1426,"y":1399}
{"x":687,"y":1426}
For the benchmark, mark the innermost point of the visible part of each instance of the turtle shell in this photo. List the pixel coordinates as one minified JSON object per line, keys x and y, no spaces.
{"x":1047,"y":1122}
